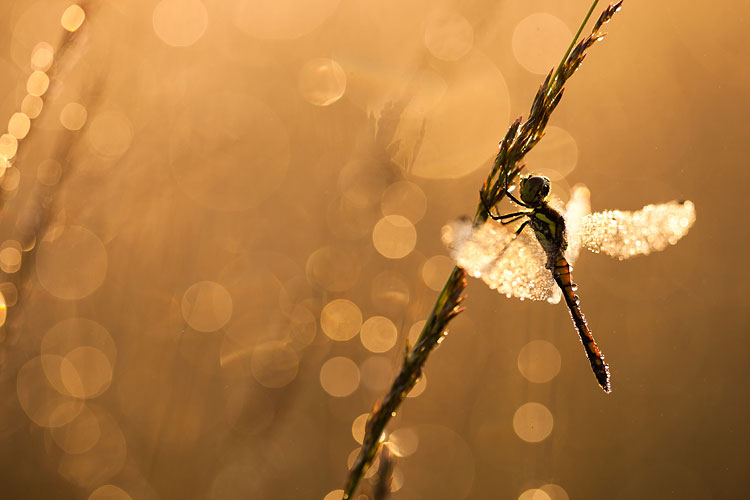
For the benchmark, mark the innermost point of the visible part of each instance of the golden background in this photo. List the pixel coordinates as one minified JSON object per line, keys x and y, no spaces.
{"x":221,"y":221}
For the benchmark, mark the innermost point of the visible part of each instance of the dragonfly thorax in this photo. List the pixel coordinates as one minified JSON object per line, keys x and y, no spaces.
{"x":535,"y":190}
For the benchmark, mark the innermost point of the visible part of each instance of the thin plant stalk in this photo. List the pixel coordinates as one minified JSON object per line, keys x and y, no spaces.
{"x":384,"y":477}
{"x":575,"y":37}
{"x":520,"y":138}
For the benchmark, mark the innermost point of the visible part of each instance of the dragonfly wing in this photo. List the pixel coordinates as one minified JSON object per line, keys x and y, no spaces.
{"x":627,"y":234}
{"x":512,"y":266}
{"x":576,"y":210}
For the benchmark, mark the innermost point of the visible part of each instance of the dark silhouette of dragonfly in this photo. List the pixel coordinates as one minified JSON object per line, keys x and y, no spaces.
{"x":537,"y":264}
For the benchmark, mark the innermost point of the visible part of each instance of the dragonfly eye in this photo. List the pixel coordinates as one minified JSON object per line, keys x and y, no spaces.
{"x":534,"y":189}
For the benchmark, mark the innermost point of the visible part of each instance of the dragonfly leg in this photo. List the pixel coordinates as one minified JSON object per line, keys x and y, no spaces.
{"x":520,"y":228}
{"x":499,"y":217}
{"x":516,"y":200}
{"x":506,"y":190}
{"x":518,"y":215}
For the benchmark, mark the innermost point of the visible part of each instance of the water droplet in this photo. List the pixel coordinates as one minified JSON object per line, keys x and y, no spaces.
{"x":321,"y":81}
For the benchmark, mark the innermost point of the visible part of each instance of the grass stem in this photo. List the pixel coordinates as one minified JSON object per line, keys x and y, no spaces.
{"x":575,"y":38}
{"x":520,"y":138}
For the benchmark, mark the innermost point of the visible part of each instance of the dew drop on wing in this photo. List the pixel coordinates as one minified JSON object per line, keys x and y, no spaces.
{"x":574,"y":287}
{"x":577,"y":300}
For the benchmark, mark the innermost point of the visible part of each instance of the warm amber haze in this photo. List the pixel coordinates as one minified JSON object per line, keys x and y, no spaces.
{"x":220,"y":224}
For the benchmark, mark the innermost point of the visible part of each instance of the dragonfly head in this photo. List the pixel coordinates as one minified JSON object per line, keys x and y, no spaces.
{"x":534,"y":189}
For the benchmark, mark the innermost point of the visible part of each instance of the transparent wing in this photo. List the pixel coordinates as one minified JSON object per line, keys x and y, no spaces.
{"x":576,"y":210}
{"x":627,"y":234}
{"x":513,"y":267}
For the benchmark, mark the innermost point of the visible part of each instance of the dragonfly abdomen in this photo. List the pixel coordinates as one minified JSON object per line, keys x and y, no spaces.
{"x":561,"y":272}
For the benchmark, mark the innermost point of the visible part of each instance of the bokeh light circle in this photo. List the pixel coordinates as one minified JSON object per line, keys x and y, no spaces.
{"x":10,"y":259}
{"x":19,"y":125}
{"x":321,"y":81}
{"x":397,"y":479}
{"x":339,"y":376}
{"x":11,"y":180}
{"x":419,"y":387}
{"x":334,"y":495}
{"x":376,"y":373}
{"x":8,"y":148}
{"x":41,"y":402}
{"x":341,"y":319}
{"x":373,"y":467}
{"x":32,"y":105}
{"x":539,"y":361}
{"x":72,"y":18}
{"x":415,"y":330}
{"x":538,"y":41}
{"x":534,"y":494}
{"x":9,"y":292}
{"x":394,"y":236}
{"x":110,"y":133}
{"x":3,"y":309}
{"x":533,"y":422}
{"x":435,"y":271}
{"x":378,"y":334}
{"x":73,"y":116}
{"x":404,"y":198}
{"x":404,"y":441}
{"x":555,"y":491}
{"x":180,"y":23}
{"x":450,"y":477}
{"x":555,"y":155}
{"x":85,"y":260}
{"x":79,"y":435}
{"x":303,"y":325}
{"x":358,"y":427}
{"x":390,"y":292}
{"x":274,"y":364}
{"x":85,"y":372}
{"x":109,"y":492}
{"x":281,"y":19}
{"x":49,"y":172}
{"x":102,"y":461}
{"x":448,"y":35}
{"x":333,"y":269}
{"x":42,"y":56}
{"x":38,"y":83}
{"x":78,"y":357}
{"x":206,"y":306}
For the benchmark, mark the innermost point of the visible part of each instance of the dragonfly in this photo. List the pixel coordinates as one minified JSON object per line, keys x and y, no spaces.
{"x":533,"y":260}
